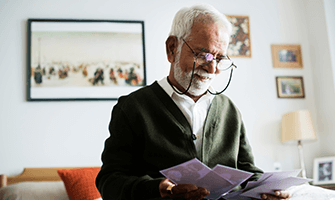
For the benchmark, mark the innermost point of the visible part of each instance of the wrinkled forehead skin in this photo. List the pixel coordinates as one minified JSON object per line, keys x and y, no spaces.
{"x":211,"y":35}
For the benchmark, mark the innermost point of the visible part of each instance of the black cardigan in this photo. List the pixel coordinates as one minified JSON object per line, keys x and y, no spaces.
{"x":149,"y":133}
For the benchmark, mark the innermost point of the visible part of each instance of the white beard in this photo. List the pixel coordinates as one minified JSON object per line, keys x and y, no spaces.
{"x":198,"y":87}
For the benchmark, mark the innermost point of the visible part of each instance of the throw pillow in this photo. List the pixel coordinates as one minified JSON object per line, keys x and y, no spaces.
{"x":80,"y":183}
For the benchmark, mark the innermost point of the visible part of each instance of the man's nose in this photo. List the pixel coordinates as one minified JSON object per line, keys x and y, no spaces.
{"x":210,"y":67}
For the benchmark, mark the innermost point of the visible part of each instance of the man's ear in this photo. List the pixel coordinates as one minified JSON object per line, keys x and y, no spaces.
{"x":171,"y":48}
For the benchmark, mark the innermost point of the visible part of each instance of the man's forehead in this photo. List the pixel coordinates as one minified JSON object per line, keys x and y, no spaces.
{"x":214,"y":33}
{"x":208,"y":46}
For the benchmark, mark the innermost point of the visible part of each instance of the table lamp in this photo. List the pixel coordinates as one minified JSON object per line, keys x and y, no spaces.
{"x":298,"y":126}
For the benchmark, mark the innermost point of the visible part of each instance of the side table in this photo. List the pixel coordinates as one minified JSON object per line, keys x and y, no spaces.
{"x":329,"y":186}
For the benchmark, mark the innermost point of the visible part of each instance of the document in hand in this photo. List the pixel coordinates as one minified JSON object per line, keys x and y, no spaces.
{"x":222,"y":179}
{"x":219,"y":180}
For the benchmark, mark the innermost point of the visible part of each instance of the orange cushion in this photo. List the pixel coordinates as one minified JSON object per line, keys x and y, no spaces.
{"x":80,"y":183}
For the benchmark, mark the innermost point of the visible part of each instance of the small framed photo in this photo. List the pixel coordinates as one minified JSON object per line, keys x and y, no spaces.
{"x":290,"y":87}
{"x":79,"y":59}
{"x":324,"y":170}
{"x":286,"y":56}
{"x":239,"y":45}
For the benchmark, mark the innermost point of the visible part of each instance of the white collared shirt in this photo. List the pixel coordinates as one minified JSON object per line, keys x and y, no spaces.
{"x":195,"y":112}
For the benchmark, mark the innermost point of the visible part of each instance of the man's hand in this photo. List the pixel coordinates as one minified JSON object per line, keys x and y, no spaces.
{"x":278,"y":195}
{"x":185,"y":191}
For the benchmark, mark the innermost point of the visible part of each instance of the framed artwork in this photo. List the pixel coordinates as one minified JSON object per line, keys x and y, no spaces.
{"x":286,"y":56}
{"x":324,"y":170}
{"x":70,"y":59}
{"x":290,"y":87}
{"x":239,"y":45}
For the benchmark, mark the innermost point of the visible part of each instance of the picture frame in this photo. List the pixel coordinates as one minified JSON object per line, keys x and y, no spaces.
{"x":324,"y":170}
{"x":80,"y":59}
{"x":286,"y":56}
{"x":290,"y":87}
{"x":239,"y":44}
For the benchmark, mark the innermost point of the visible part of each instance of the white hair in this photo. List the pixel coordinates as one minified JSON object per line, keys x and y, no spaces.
{"x":184,"y":18}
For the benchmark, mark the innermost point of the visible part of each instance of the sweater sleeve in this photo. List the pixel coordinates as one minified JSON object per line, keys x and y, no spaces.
{"x":121,"y":176}
{"x":245,"y":157}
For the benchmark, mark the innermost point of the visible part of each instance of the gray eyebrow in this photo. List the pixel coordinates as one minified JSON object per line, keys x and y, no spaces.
{"x":207,"y":51}
{"x":204,"y":50}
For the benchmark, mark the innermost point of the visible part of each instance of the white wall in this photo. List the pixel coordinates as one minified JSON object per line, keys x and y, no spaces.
{"x":321,"y":43}
{"x":51,"y":134}
{"x":330,"y":20}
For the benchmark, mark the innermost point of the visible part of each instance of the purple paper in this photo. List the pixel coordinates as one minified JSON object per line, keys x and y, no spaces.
{"x":216,"y":184}
{"x":236,"y":176}
{"x":195,"y":172}
{"x":188,"y":172}
{"x":222,"y":179}
{"x":279,"y":175}
{"x":271,"y":187}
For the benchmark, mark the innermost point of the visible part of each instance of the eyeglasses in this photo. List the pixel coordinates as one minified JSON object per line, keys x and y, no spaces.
{"x":204,"y":58}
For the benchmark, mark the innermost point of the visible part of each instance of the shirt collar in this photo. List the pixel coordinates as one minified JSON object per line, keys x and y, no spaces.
{"x":166,"y":86}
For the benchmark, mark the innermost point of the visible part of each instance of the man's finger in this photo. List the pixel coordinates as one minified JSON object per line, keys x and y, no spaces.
{"x":283,"y":194}
{"x":183,"y":188}
{"x":200,"y":193}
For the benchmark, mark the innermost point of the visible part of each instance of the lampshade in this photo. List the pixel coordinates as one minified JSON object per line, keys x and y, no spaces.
{"x":297,"y":126}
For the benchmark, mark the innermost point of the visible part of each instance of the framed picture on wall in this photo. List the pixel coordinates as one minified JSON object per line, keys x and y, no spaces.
{"x":239,"y":45}
{"x":286,"y":56}
{"x":324,"y":170}
{"x":290,"y":87}
{"x":71,"y":59}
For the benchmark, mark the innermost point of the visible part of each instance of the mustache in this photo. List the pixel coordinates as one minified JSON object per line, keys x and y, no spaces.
{"x":204,"y":74}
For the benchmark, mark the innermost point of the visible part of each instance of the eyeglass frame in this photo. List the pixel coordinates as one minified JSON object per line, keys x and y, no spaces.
{"x":214,"y":58}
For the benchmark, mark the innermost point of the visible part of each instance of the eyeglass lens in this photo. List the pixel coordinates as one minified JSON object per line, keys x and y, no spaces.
{"x":222,"y":64}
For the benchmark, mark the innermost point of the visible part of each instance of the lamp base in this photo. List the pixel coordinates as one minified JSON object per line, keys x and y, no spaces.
{"x":302,"y":163}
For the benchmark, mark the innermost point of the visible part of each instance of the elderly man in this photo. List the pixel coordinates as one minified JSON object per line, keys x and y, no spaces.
{"x":178,"y":118}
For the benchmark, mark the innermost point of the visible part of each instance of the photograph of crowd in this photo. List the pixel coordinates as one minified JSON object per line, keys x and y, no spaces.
{"x":64,"y":66}
{"x":85,"y":57}
{"x":59,"y":74}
